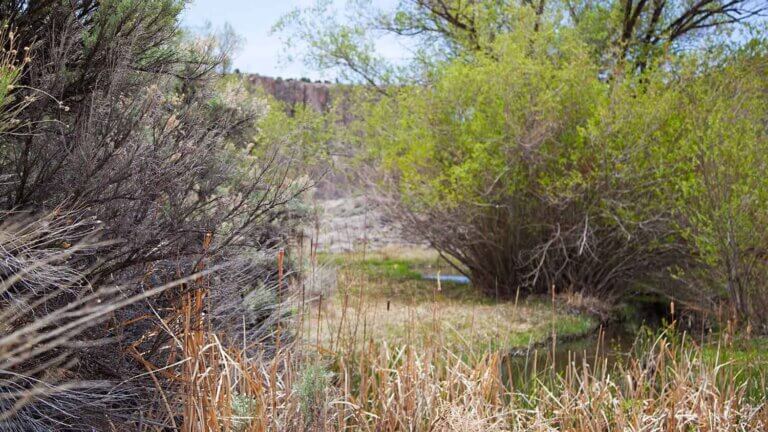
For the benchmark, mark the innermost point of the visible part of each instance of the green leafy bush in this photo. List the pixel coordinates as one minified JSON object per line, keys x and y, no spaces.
{"x":504,"y":163}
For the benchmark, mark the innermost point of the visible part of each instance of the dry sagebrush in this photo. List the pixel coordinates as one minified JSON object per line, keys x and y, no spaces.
{"x":51,"y":318}
{"x":126,"y":127}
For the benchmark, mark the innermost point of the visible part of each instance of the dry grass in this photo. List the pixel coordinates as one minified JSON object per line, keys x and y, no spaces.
{"x":49,"y":316}
{"x":381,"y":297}
{"x":429,"y":382}
{"x":452,"y":324}
{"x":405,"y":252}
{"x":670,"y":384}
{"x":382,"y":388}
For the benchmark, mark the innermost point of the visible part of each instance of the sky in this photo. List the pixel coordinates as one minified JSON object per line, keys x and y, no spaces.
{"x":252,"y":20}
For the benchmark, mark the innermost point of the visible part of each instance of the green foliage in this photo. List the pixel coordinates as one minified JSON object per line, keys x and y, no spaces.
{"x":512,"y":147}
{"x":724,"y":195}
{"x":621,"y":35}
{"x":8,"y":77}
{"x":526,"y":163}
{"x":694,"y":128}
{"x":471,"y":136}
{"x":346,"y":47}
{"x":243,"y":409}
{"x":388,"y":268}
{"x":311,"y":389}
{"x":603,"y":146}
{"x":145,"y":22}
{"x":12,"y":61}
{"x":749,"y":357}
{"x":304,"y":130}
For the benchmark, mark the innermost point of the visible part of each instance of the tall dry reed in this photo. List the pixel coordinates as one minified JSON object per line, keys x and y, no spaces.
{"x":671,"y":386}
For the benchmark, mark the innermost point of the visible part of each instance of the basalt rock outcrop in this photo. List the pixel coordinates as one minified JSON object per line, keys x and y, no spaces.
{"x":294,"y":93}
{"x":319,"y":96}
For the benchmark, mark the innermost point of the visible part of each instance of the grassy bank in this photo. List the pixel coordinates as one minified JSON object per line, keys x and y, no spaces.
{"x":382,"y":297}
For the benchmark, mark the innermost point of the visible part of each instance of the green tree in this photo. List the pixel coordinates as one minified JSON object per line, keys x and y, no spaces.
{"x":550,"y":143}
{"x":503,"y":163}
{"x":720,"y":144}
{"x":622,"y":34}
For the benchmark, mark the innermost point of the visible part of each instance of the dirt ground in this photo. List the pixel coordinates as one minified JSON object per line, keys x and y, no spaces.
{"x":352,"y":223}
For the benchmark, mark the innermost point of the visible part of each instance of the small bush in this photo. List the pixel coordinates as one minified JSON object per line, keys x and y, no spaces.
{"x":312,"y":391}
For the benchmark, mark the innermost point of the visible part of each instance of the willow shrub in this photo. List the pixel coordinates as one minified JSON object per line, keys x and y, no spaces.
{"x":725,"y":197}
{"x":699,"y":122}
{"x":532,"y":171}
{"x":503,"y":163}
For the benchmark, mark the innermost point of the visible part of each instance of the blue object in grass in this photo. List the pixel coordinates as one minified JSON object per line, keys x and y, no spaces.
{"x":457,"y":279}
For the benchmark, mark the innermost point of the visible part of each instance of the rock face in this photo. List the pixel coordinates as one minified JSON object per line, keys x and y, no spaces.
{"x":296,"y":92}
{"x":319,"y":96}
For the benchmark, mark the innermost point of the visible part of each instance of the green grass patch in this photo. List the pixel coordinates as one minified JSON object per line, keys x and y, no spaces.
{"x":388,"y":268}
{"x":746,"y":363}
{"x":566,"y":327}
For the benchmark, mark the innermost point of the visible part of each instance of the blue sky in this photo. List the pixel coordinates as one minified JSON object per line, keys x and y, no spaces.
{"x":252,"y":20}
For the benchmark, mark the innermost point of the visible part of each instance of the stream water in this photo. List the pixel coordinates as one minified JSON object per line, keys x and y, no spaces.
{"x":615,"y":342}
{"x":607,"y":345}
{"x":451,"y":278}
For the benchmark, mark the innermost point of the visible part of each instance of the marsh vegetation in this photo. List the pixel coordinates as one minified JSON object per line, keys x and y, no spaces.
{"x":570,"y":231}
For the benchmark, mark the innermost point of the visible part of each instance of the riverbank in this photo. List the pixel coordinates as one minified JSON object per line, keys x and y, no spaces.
{"x":386,"y":349}
{"x":382,"y":351}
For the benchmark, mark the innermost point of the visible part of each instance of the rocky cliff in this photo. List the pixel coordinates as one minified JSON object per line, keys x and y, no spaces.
{"x":296,"y":92}
{"x":319,"y":96}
